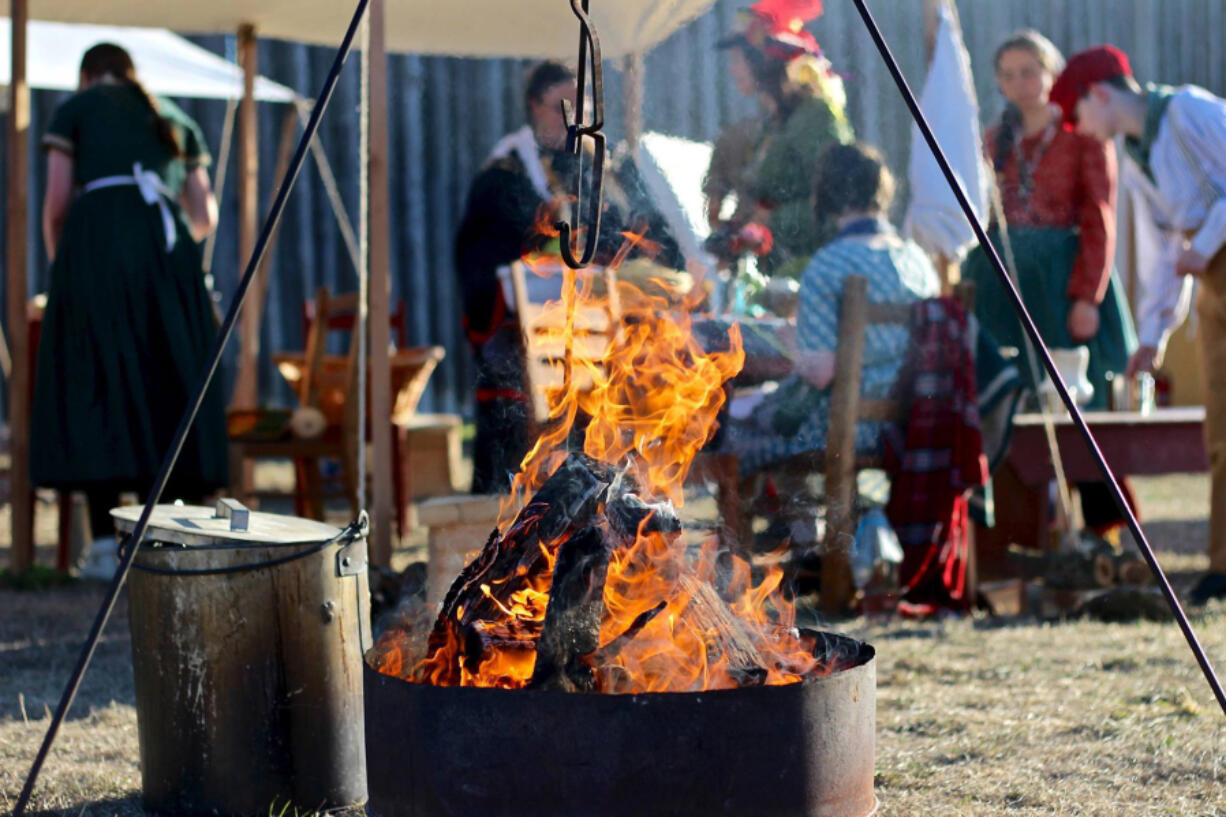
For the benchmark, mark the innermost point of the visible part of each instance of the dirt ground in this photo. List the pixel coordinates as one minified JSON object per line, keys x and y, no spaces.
{"x":974,"y":716}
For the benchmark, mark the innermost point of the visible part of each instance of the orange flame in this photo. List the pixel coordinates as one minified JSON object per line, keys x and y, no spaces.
{"x":652,"y":404}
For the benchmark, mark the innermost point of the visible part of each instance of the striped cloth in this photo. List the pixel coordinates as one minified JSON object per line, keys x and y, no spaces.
{"x":935,"y":458}
{"x":898,"y":271}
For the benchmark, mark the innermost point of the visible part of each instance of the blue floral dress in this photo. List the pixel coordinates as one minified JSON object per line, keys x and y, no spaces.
{"x":898,"y":271}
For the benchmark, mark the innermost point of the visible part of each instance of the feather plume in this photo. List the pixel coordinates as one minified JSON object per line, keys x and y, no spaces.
{"x":783,"y":13}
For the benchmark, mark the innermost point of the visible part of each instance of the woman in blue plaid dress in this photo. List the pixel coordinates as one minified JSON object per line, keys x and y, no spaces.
{"x":854,"y":190}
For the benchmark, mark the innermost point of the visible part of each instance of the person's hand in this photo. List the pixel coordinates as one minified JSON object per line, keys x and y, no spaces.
{"x":815,"y":368}
{"x":754,"y":238}
{"x":1144,"y":359}
{"x":1083,"y":320}
{"x":1190,"y":262}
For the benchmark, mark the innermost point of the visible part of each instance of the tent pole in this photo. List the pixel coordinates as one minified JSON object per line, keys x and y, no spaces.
{"x":379,"y":295}
{"x":632,"y":95}
{"x":219,"y":179}
{"x":285,"y":149}
{"x":245,"y":387}
{"x":22,"y":517}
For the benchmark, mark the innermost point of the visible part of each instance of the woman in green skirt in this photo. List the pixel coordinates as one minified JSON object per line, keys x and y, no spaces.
{"x":1058,"y":192}
{"x":129,"y":324}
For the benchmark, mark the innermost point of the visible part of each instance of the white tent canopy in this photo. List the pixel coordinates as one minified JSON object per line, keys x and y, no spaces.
{"x":463,"y":28}
{"x":166,"y":63}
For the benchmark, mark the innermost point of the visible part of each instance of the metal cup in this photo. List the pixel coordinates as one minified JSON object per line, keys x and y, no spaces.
{"x":1130,"y":394}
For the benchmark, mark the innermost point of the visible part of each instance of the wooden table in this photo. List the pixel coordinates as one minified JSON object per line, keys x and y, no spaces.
{"x":1166,"y":441}
{"x":411,"y":370}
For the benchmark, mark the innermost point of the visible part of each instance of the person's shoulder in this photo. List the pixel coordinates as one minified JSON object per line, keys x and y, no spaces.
{"x":83,"y":100}
{"x":1081,"y":143}
{"x":813,"y":108}
{"x":1193,"y":101}
{"x":170,"y":110}
{"x":500,"y":166}
{"x":742,"y":130}
{"x":839,"y":253}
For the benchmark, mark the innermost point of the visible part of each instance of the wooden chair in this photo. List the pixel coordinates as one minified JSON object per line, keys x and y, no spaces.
{"x":595,"y":329}
{"x":339,"y":440}
{"x":839,"y":462}
{"x":544,"y":353}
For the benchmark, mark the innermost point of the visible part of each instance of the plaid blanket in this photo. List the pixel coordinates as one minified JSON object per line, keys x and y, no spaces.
{"x":935,"y":458}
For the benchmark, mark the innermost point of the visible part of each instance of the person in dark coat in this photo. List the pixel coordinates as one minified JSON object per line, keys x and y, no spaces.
{"x":522,"y":189}
{"x":129,"y":324}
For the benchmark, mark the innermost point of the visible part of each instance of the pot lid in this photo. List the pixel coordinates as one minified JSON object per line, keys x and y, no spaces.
{"x":229,"y":522}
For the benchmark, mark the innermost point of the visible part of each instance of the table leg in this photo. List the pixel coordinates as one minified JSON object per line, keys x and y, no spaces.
{"x":1021,"y":518}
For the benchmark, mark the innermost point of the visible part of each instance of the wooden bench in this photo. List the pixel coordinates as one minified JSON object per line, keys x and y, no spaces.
{"x":431,"y":457}
{"x":1166,"y":441}
{"x":458,"y":525}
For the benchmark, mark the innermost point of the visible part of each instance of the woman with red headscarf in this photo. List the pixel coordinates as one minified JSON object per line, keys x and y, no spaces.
{"x":768,"y":161}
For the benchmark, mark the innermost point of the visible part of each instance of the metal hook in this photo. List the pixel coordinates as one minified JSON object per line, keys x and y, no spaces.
{"x":589,"y":54}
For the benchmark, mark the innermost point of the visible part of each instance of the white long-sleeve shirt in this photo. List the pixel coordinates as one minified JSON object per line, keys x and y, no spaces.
{"x":1187,"y":195}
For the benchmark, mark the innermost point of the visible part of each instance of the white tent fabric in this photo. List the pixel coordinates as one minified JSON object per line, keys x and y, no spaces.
{"x":673,"y":169}
{"x":463,"y":28}
{"x":934,"y":219}
{"x":166,"y":63}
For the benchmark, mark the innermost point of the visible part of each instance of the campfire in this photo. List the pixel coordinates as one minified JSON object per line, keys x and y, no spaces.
{"x":592,"y":585}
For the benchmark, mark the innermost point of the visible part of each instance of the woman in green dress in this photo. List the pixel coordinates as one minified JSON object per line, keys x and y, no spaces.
{"x":768,"y":161}
{"x":129,"y":324}
{"x":1057,"y":193}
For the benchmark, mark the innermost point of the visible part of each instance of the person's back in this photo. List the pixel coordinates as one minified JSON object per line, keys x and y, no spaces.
{"x":129,"y":324}
{"x":898,"y":271}
{"x":854,"y":191}
{"x":112,"y":129}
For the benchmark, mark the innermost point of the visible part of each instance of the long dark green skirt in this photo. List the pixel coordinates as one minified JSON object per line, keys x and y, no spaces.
{"x":126,"y":336}
{"x":1045,"y":259}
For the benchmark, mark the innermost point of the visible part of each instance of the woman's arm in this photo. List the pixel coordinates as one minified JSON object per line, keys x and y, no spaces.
{"x":1096,"y":221}
{"x":199,"y":203}
{"x":57,"y":198}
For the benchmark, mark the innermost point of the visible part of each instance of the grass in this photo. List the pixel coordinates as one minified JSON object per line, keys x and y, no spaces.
{"x":974,"y":717}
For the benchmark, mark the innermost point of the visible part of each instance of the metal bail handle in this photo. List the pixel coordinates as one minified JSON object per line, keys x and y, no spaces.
{"x":236,"y":512}
{"x":576,"y":129}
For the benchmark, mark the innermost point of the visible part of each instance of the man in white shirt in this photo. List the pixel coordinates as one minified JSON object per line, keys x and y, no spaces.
{"x":1175,"y":138}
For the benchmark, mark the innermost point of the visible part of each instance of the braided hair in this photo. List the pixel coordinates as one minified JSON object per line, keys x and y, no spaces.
{"x":109,"y":59}
{"x":1043,"y":50}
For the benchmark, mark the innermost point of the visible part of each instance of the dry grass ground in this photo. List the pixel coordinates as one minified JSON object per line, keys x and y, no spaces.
{"x":974,"y":717}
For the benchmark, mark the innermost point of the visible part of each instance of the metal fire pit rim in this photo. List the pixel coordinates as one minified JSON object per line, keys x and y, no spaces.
{"x":865,"y":656}
{"x":798,"y":750}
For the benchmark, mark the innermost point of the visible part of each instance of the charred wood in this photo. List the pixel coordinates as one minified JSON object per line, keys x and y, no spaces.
{"x":572,"y":619}
{"x":568,"y":501}
{"x":726,"y":635}
{"x":629,"y":515}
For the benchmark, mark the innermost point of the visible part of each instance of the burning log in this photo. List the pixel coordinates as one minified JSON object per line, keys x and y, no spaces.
{"x":571,"y":635}
{"x":724,"y":633}
{"x":572,"y":621}
{"x":492,"y":587}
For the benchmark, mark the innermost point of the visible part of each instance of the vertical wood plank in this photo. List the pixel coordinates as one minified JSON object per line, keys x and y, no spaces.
{"x":22,"y":518}
{"x":379,"y":293}
{"x":836,"y":587}
{"x":632,"y":94}
{"x":246,"y":392}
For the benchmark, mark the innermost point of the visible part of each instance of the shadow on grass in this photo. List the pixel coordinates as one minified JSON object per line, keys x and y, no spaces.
{"x":129,"y":806}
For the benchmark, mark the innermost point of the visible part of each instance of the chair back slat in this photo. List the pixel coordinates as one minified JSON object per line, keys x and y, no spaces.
{"x":544,"y":347}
